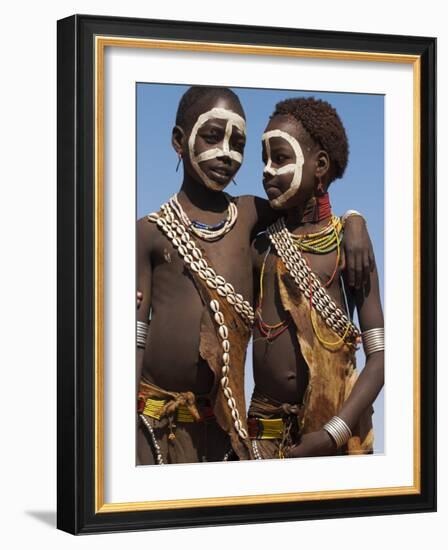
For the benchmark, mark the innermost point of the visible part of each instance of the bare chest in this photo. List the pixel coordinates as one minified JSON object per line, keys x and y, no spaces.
{"x":229,"y":257}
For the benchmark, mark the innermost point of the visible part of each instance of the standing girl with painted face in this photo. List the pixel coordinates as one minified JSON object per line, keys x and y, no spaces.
{"x":195,"y":274}
{"x":308,"y":399}
{"x":196,"y":281}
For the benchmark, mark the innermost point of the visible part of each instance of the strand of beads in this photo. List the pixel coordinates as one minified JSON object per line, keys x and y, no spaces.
{"x":321,"y":242}
{"x":192,"y":256}
{"x":159,"y":457}
{"x":270,"y":332}
{"x":255,"y":449}
{"x":204,"y":231}
{"x":309,"y":283}
{"x":227,"y":455}
{"x":223,"y":332}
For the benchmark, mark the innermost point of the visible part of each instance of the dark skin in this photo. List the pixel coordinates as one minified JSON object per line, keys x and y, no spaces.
{"x":166,"y":288}
{"x":280,"y":370}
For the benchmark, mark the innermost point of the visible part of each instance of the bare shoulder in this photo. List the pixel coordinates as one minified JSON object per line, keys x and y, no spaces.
{"x":147,"y":233}
{"x":252,"y":203}
{"x":257,"y":211}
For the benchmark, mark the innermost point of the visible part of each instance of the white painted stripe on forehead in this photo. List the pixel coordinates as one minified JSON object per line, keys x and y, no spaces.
{"x":220,"y":113}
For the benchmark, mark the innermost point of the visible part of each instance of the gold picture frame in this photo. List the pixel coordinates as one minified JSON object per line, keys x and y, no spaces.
{"x":82,"y":43}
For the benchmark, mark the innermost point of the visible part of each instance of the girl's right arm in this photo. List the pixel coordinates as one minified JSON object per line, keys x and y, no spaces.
{"x":144,"y":276}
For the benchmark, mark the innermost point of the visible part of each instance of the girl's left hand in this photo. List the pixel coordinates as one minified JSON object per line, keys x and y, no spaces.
{"x":360,"y":260}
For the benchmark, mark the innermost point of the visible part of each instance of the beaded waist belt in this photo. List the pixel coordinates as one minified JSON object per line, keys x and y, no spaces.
{"x":154,"y":407}
{"x":265,"y":428}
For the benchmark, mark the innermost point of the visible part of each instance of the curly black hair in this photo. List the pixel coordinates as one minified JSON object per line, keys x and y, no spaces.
{"x":323,"y":124}
{"x":196,"y":94}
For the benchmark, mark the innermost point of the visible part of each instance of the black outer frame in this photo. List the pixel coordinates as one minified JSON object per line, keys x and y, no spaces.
{"x":75,"y":271}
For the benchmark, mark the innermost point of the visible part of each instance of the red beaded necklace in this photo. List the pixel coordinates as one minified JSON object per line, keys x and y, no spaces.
{"x":317,"y":209}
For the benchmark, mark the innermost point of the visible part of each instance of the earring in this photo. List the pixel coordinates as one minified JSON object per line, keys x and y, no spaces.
{"x":319,"y":192}
{"x":320,"y":187}
{"x":178,"y":162}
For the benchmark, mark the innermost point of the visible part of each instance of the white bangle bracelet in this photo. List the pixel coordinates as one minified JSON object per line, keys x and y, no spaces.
{"x":142,"y":333}
{"x":373,"y":340}
{"x":338,"y":430}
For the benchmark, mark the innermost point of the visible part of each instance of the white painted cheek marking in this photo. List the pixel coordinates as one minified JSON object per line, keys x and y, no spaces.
{"x":217,"y":152}
{"x":268,"y":168}
{"x":294,"y":168}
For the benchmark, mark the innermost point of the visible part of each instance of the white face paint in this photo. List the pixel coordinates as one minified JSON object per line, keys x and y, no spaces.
{"x":233,"y":119}
{"x":293,"y":168}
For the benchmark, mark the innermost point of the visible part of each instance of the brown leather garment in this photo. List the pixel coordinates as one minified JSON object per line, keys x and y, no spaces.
{"x":211,"y":351}
{"x":332,"y":373}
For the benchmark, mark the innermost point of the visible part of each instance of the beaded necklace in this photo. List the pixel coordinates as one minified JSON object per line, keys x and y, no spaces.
{"x":206,"y":231}
{"x":270,"y":332}
{"x":309,"y":284}
{"x":313,"y":243}
{"x":329,"y":247}
{"x":317,"y":209}
{"x":321,"y":242}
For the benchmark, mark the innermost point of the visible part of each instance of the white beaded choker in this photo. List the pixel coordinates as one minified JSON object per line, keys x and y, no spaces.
{"x":205,"y":233}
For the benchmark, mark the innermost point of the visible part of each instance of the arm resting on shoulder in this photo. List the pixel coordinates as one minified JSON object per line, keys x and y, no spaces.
{"x":369,"y":383}
{"x":371,"y":379}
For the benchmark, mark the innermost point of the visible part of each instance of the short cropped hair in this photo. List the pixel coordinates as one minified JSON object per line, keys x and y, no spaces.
{"x":194,"y":95}
{"x":323,"y":124}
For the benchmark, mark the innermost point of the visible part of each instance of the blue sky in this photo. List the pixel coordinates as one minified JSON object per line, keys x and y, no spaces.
{"x":361,"y":188}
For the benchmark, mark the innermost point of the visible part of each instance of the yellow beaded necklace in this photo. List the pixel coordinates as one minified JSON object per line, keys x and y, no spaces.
{"x":322,"y":242}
